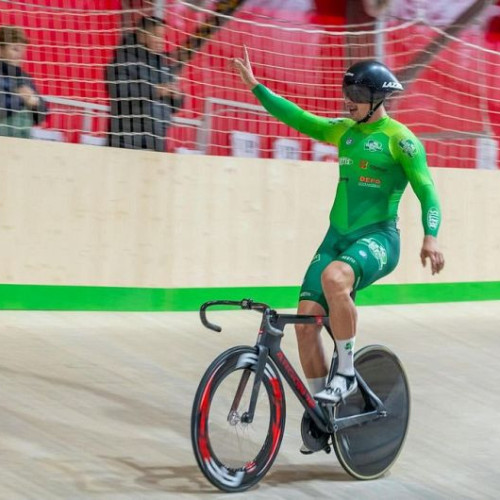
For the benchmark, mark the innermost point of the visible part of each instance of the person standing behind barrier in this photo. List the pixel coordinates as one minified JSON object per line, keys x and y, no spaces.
{"x":143,"y":90}
{"x":378,"y":157}
{"x":21,"y":106}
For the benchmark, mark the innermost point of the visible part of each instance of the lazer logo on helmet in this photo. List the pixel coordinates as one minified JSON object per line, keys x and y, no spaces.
{"x":392,"y":85}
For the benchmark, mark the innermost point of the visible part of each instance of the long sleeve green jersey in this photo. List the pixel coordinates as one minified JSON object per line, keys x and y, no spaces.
{"x":376,"y":162}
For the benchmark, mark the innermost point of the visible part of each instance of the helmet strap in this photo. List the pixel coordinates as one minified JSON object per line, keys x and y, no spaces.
{"x":372,"y":110}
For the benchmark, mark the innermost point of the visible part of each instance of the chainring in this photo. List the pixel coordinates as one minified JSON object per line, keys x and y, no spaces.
{"x":315,"y":439}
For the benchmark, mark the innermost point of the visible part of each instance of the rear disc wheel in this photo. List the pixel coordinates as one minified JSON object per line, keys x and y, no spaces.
{"x":368,"y":450}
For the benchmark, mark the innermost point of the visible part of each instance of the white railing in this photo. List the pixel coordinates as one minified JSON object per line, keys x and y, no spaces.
{"x":89,"y":111}
{"x":487,"y":146}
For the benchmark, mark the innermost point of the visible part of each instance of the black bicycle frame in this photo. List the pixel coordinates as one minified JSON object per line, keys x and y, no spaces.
{"x":269,"y":346}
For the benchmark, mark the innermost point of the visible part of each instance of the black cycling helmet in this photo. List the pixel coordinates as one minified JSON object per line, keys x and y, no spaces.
{"x":369,"y":82}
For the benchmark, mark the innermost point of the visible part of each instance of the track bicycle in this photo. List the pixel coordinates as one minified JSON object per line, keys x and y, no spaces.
{"x":239,"y":411}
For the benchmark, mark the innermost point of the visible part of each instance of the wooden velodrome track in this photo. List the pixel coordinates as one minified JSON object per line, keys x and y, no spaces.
{"x":97,"y":406}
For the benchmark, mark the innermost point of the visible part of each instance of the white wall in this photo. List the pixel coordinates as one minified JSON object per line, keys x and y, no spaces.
{"x":84,"y":215}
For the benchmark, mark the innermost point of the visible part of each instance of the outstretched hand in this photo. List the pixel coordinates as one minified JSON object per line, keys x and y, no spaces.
{"x":431,"y":251}
{"x":244,"y":68}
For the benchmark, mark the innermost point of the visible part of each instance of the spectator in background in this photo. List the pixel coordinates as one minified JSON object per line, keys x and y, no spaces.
{"x":143,"y":90}
{"x":21,"y":106}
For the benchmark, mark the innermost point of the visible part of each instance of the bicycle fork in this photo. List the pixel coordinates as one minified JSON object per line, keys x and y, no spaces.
{"x":247,"y":417}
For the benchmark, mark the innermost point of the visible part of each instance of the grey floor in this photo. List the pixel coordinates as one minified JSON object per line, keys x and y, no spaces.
{"x":97,"y":406}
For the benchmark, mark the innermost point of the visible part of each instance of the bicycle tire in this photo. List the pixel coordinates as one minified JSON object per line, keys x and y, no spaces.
{"x":217,"y":435}
{"x":368,"y":450}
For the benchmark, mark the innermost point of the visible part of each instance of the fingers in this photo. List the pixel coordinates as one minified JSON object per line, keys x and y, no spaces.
{"x":239,"y":66}
{"x":431,"y":250}
{"x":440,"y":262}
{"x":243,"y":67}
{"x":434,"y":265}
{"x":236,"y":62}
{"x":245,"y":55}
{"x":239,"y":63}
{"x":423,"y":258}
{"x":437,"y":261}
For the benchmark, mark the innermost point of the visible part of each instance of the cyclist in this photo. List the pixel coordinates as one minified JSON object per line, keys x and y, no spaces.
{"x":378,"y":156}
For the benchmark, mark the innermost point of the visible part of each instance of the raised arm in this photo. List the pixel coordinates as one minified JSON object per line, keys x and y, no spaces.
{"x":317,"y":127}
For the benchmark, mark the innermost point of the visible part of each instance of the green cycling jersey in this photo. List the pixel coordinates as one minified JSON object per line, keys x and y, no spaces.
{"x":376,"y":162}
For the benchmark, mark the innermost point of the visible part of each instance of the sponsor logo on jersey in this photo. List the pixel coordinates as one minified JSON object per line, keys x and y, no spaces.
{"x":377,"y":250}
{"x":373,"y":146}
{"x":333,"y":121}
{"x":349,"y":141}
{"x":364,"y":164}
{"x":392,"y":85}
{"x":344,"y":160}
{"x":316,"y":258}
{"x":369,"y":182}
{"x":433,"y":218}
{"x":408,"y":147}
{"x":348,"y":258}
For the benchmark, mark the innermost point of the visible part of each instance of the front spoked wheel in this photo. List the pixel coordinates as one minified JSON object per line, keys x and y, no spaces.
{"x":233,"y":454}
{"x":368,"y":450}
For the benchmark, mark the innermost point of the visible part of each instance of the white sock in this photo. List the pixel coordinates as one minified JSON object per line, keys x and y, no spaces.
{"x":316,"y":384}
{"x":345,"y":351}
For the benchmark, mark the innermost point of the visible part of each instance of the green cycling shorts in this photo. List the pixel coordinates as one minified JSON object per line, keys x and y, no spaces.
{"x":372,"y":252}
